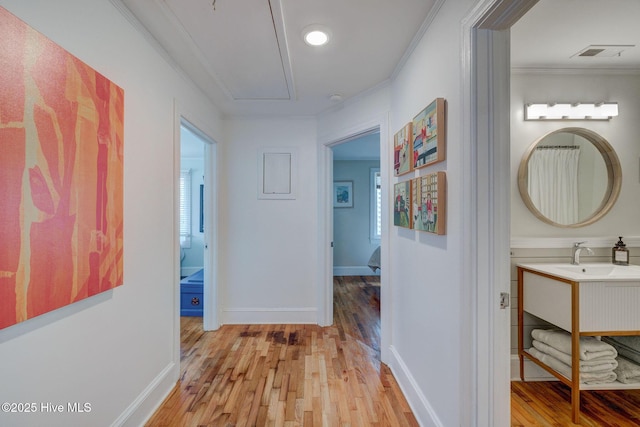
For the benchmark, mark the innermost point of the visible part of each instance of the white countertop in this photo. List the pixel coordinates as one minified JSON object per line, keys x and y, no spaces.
{"x":587,"y":272}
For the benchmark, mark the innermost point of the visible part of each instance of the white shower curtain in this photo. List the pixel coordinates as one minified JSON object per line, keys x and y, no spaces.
{"x":553,"y":182}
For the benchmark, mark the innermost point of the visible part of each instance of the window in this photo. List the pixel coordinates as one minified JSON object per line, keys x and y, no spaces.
{"x":185,"y":208}
{"x":376,"y":204}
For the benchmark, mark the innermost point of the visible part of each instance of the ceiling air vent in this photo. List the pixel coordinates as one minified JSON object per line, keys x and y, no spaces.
{"x":603,"y":51}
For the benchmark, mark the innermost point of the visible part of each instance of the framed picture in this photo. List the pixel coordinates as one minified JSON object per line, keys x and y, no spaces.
{"x":429,"y":199}
{"x":402,"y":158}
{"x":402,"y":204}
{"x":343,"y":194}
{"x":429,"y":134}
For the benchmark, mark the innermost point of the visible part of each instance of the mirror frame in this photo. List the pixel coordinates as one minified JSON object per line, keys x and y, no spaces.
{"x":614,"y":176}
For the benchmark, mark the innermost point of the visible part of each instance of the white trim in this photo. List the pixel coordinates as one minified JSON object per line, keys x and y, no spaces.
{"x":424,"y":413}
{"x":325,"y":224}
{"x":203,"y":129}
{"x":484,"y":382}
{"x":417,"y":38}
{"x":567,"y":242}
{"x":258,"y":315}
{"x":147,"y":402}
{"x":362,"y":270}
{"x":157,"y":46}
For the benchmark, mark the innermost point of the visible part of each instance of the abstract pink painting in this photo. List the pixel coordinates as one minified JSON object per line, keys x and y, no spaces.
{"x":61,"y":176}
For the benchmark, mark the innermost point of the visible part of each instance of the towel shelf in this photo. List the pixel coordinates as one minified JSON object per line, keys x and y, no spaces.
{"x":583,"y":309}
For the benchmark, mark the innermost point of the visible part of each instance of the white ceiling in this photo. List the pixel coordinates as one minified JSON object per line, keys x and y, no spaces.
{"x":248,"y":56}
{"x":551,"y":34}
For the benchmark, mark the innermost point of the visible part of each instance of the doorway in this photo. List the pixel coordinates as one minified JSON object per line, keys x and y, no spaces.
{"x":197,"y":218}
{"x":486,"y":141}
{"x":325,"y":295}
{"x":192,"y":271}
{"x":357,"y":230}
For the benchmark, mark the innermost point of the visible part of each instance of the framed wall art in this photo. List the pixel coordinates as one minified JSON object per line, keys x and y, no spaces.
{"x":402,"y":204}
{"x":429,"y":134}
{"x":402,"y":157}
{"x":429,"y":199}
{"x":61,"y":180}
{"x":343,"y":194}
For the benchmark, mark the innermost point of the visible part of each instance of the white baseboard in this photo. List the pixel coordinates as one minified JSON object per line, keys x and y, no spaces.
{"x":252,"y":316}
{"x":532,"y":372}
{"x":141,"y":409}
{"x":355,"y":271}
{"x":418,"y":402}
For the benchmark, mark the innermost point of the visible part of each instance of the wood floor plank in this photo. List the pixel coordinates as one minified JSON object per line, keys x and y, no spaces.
{"x":289,"y":375}
{"x":305,"y":375}
{"x":548,"y":404}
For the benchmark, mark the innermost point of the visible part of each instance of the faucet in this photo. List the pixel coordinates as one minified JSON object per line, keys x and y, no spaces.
{"x":577,"y":248}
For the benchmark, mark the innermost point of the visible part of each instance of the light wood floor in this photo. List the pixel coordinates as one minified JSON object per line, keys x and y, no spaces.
{"x":305,"y":375}
{"x":289,"y":375}
{"x":548,"y":404}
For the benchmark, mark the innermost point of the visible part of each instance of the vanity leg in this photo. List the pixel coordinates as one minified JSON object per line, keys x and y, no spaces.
{"x":520,"y":322}
{"x":575,"y":353}
{"x":575,"y":404}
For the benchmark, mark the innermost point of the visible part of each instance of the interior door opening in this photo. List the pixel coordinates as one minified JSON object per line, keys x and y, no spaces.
{"x":196,"y":224}
{"x":357,"y":231}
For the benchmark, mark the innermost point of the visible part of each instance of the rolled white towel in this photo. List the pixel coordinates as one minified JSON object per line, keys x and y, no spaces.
{"x":564,"y":369}
{"x":590,"y":347}
{"x":627,"y":371}
{"x":627,"y":346}
{"x":600,"y":364}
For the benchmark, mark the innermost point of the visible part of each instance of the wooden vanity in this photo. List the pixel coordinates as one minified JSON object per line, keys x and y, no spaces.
{"x":586,"y":300}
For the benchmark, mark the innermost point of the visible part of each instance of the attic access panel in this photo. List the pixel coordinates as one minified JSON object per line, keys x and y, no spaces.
{"x":246,"y":58}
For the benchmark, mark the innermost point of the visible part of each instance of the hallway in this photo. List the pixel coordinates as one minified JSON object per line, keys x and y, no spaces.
{"x":289,"y":375}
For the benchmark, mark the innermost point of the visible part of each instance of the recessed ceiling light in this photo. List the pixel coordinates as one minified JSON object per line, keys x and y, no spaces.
{"x":316,"y":35}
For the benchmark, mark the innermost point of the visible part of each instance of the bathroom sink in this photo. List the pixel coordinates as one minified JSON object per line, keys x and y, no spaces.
{"x":588,"y":272}
{"x":590,"y":269}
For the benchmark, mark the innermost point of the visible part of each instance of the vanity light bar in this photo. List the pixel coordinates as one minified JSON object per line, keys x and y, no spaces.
{"x":575,"y":111}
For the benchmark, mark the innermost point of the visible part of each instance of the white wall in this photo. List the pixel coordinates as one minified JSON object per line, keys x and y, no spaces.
{"x":621,"y":132}
{"x":115,"y":348}
{"x":268,"y":264}
{"x":424,"y":269}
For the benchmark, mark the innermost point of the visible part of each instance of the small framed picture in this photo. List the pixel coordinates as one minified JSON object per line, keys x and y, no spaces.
{"x":343,"y":194}
{"x":402,"y":151}
{"x":429,"y":203}
{"x":402,"y":204}
{"x":429,"y":135}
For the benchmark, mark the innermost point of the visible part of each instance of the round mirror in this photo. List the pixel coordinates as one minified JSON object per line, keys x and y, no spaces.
{"x":570,"y":177}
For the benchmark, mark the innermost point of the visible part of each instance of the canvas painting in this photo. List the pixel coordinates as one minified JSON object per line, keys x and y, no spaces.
{"x":402,"y":157}
{"x":428,"y":130}
{"x":61,"y":174}
{"x":429,"y":203}
{"x":402,"y":204}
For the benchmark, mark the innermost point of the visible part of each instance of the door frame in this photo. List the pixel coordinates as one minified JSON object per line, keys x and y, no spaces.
{"x":325,"y":224}
{"x":485,"y":376}
{"x":211,"y":253}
